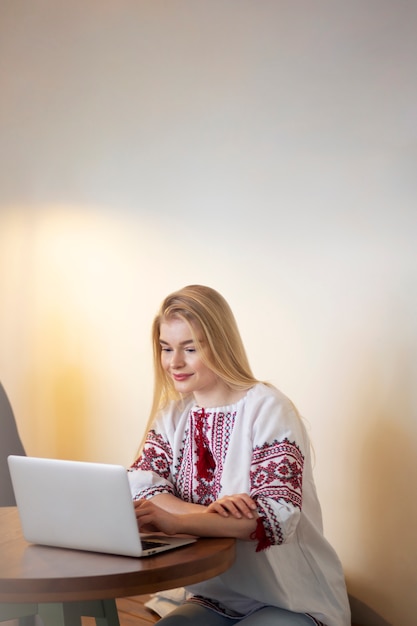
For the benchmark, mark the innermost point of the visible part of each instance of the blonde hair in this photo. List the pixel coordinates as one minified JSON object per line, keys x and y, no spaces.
{"x":212,"y":324}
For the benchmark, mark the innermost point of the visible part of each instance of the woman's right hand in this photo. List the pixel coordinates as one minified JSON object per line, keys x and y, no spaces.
{"x":238,"y":506}
{"x":151,"y":518}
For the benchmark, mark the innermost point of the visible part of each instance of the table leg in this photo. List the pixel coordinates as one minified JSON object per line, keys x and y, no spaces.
{"x":110,"y":615}
{"x":70,"y":613}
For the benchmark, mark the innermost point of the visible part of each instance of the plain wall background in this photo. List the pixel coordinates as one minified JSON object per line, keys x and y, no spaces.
{"x":265,"y":148}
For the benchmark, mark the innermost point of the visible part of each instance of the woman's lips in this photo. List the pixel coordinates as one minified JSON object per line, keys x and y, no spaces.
{"x":181,"y":377}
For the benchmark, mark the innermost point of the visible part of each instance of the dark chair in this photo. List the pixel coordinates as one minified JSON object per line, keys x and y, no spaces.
{"x":10,"y":443}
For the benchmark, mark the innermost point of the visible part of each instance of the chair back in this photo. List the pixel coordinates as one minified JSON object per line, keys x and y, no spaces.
{"x":10,"y":443}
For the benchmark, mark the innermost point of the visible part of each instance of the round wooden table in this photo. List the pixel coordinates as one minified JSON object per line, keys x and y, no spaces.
{"x":41,"y":575}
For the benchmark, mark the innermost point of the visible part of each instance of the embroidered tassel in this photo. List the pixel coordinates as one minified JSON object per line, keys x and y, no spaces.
{"x":205,"y":461}
{"x":205,"y":464}
{"x":260,"y":536}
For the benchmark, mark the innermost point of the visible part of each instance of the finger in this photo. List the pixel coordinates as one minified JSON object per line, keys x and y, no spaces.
{"x":216,"y":507}
{"x":238,"y":505}
{"x":143,"y":512}
{"x":245,"y":510}
{"x":229,"y":506}
{"x":245,"y":505}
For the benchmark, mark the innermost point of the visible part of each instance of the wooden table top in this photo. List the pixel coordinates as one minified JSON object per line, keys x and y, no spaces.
{"x":32,"y":573}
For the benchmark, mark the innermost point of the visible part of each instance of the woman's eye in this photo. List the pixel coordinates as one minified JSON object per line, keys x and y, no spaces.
{"x":164,"y":349}
{"x":190,"y":350}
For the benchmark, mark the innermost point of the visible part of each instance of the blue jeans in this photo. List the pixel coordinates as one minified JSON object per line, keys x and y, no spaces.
{"x":189,"y":614}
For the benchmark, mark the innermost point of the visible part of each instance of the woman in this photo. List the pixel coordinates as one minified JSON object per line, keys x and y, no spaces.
{"x":228,"y":455}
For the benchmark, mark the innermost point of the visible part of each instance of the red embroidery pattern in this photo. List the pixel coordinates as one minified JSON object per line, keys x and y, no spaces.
{"x":259,"y":535}
{"x":278,"y":469}
{"x":216,"y":429}
{"x":272,"y":531}
{"x":205,"y":462}
{"x":277,"y":474}
{"x":183,"y":470}
{"x":156,"y":456}
{"x":189,"y":485}
{"x":150,"y":492}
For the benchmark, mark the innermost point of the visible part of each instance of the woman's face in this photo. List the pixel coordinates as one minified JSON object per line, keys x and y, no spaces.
{"x":181,"y":359}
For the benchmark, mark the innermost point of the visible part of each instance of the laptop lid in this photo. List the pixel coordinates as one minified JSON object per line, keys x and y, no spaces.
{"x":79,"y":505}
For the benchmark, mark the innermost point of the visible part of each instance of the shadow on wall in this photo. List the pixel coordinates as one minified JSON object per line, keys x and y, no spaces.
{"x":386,"y":497}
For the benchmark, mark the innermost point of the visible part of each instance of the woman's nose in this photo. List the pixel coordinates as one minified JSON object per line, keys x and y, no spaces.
{"x":177,"y":359}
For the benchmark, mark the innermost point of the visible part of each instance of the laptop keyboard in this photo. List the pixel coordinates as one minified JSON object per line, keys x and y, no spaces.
{"x":151,"y":543}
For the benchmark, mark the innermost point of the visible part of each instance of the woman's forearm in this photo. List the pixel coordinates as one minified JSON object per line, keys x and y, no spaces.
{"x":172,"y":504}
{"x":214,"y":525}
{"x":173,"y":516}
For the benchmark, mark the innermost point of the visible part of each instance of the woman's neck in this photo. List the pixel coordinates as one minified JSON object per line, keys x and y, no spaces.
{"x":222,"y":395}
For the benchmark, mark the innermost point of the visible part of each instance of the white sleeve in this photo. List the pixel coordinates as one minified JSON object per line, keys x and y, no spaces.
{"x":276,"y":475}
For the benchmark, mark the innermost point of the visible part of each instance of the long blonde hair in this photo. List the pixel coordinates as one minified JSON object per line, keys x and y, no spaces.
{"x":213,"y":324}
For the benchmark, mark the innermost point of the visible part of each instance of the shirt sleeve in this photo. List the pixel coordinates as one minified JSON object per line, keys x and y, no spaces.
{"x":276,"y":475}
{"x":150,"y":474}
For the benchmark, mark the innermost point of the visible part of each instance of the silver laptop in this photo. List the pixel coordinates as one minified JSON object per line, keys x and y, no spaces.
{"x":80,"y":505}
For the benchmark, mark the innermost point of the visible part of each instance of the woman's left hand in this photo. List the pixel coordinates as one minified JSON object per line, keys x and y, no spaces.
{"x":239,"y":505}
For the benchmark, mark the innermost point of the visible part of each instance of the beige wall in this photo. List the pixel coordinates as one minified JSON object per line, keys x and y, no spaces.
{"x":267,"y":149}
